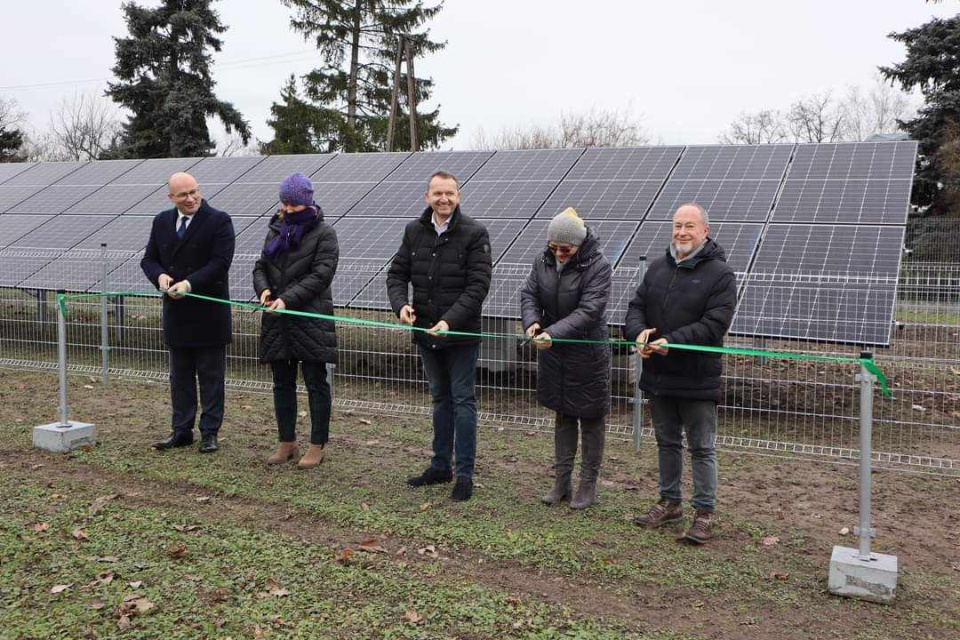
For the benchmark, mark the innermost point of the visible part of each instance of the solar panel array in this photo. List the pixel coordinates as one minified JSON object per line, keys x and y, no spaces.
{"x":814,"y":232}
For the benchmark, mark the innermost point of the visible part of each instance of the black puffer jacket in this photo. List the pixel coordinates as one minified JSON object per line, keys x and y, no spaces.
{"x":302,"y":279}
{"x":573,"y":379}
{"x":689,"y":303}
{"x":450,"y":274}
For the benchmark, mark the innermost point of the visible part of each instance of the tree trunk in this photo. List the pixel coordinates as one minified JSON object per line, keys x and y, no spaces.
{"x":351,"y":141}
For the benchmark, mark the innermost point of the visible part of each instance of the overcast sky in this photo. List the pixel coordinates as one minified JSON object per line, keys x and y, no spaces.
{"x":685,"y":68}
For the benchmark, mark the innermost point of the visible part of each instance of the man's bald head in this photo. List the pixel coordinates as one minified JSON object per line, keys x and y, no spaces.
{"x":183,"y":191}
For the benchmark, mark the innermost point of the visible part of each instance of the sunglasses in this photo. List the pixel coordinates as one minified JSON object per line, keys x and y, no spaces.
{"x":561,"y":250}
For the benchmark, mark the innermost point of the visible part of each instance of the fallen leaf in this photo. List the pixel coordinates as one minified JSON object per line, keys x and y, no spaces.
{"x":88,"y":386}
{"x":401,"y":551}
{"x":274,"y":588}
{"x":96,"y":604}
{"x":80,"y":534}
{"x":123,"y":623}
{"x":177,"y":550}
{"x":425,"y":506}
{"x":60,"y":588}
{"x":413,"y":616}
{"x":769,"y":541}
{"x":40,"y":527}
{"x":203,"y":499}
{"x":917,"y":407}
{"x":108,"y":559}
{"x":135,"y":584}
{"x":186,"y":528}
{"x":105,"y":578}
{"x":371,"y":546}
{"x":776,"y":575}
{"x":364,"y":506}
{"x":429,"y":551}
{"x":365,"y":421}
{"x":143,"y":605}
{"x":370,"y":443}
{"x":56,"y":496}
{"x":345,"y":555}
{"x":844,"y":531}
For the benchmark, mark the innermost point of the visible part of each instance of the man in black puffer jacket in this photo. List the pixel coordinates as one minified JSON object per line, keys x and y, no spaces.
{"x":445,"y":255}
{"x":686,"y":297}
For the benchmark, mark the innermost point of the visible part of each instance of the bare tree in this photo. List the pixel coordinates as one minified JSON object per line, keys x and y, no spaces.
{"x":232,"y":146}
{"x":593,"y":128}
{"x":877,"y":111}
{"x":85,"y":127}
{"x":761,"y":127}
{"x":816,"y":118}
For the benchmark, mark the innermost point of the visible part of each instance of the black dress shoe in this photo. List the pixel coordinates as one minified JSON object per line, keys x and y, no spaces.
{"x":174,"y":440}
{"x":208,"y":444}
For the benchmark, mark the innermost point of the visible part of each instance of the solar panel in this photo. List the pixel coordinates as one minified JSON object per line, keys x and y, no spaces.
{"x":125,"y":233}
{"x":518,"y":199}
{"x":854,"y":160}
{"x":76,"y":270}
{"x":739,"y":241}
{"x":127,"y":277}
{"x":623,"y":286}
{"x":53,"y":199}
{"x":611,"y":199}
{"x":98,"y":173}
{"x":44,"y":173}
{"x":372,"y":238}
{"x":734,"y":162}
{"x":421,"y":165}
{"x":11,"y":196}
{"x":858,"y":250}
{"x":353,"y":276}
{"x":241,"y":278}
{"x":640,"y":163}
{"x":16,"y":265}
{"x":613,"y":234}
{"x":62,"y":232}
{"x":158,"y":200}
{"x":844,"y":201}
{"x":724,"y":200}
{"x":839,"y":309}
{"x":359,"y":167}
{"x":374,"y":294}
{"x":10,"y":169}
{"x":275,"y":168}
{"x":503,"y":299}
{"x":539,"y":164}
{"x":156,"y":171}
{"x":113,"y":198}
{"x":250,"y":239}
{"x":12,"y":228}
{"x":337,"y":198}
{"x":247,"y":199}
{"x":392,"y":200}
{"x":222,"y":170}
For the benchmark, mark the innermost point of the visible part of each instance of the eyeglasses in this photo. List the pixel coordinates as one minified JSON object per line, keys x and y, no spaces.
{"x":561,"y":250}
{"x":183,"y":195}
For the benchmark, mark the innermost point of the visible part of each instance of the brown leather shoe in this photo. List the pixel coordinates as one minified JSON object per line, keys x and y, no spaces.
{"x":313,"y":457}
{"x":284,"y":453}
{"x":699,"y":531}
{"x":664,"y":512}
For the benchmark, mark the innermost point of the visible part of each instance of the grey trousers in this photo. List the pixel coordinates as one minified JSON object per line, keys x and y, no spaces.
{"x":698,"y":418}
{"x":592,"y":432}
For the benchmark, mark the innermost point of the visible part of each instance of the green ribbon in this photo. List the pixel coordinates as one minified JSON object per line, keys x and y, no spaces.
{"x":867,"y":363}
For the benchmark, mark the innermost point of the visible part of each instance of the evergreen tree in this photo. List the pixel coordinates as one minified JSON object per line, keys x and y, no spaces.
{"x":11,"y":141}
{"x":299,"y":126}
{"x":164,"y":79}
{"x":932,"y":64}
{"x":350,"y":94}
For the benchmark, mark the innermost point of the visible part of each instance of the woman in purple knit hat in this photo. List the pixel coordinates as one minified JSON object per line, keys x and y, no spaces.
{"x":295,"y":272}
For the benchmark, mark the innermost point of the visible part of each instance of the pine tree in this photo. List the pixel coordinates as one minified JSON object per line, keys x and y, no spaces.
{"x":164,"y":79}
{"x":932,"y":64}
{"x":351,"y":93}
{"x":11,"y":141}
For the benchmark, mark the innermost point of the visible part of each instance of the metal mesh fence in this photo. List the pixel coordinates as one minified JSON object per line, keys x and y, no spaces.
{"x":770,"y":405}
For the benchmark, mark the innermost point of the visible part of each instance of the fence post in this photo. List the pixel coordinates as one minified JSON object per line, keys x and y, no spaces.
{"x":637,"y":372}
{"x":858,"y":573}
{"x":63,"y":436}
{"x":104,"y":328}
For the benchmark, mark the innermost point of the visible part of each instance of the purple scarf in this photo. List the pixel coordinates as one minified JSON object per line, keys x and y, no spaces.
{"x":292,"y":228}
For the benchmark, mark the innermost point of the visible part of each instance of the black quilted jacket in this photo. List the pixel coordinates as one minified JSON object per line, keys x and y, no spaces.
{"x":450,"y":275}
{"x":302,"y":279}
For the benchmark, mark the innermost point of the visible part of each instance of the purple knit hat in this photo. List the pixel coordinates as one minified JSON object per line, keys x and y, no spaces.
{"x":296,"y":189}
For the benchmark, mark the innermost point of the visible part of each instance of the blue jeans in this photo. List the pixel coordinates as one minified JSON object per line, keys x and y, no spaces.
{"x":452,"y":375}
{"x":671,"y":416}
{"x":285,"y":399}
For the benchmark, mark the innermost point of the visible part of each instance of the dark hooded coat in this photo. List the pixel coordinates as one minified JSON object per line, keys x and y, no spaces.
{"x":573,"y":379}
{"x":688,"y":303}
{"x":302,"y":278}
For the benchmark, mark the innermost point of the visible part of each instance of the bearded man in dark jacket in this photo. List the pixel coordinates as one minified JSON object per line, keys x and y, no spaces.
{"x":445,"y":256}
{"x":686,"y":297}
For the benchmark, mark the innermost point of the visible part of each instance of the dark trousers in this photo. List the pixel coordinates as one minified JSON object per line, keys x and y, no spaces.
{"x":452,"y":373}
{"x":208,"y":367}
{"x":285,"y":399}
{"x":592,"y":433}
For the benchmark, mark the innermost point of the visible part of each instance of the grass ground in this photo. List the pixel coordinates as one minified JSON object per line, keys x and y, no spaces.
{"x":120,"y":541}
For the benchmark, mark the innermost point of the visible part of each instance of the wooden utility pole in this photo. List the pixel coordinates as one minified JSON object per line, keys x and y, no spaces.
{"x":404,"y":51}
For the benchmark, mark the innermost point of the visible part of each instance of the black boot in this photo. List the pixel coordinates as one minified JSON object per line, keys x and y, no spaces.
{"x":564,"y":452}
{"x":593,"y":433}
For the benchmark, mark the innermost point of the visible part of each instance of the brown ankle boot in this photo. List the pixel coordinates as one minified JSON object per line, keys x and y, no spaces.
{"x":284,"y":452}
{"x":312,"y":457}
